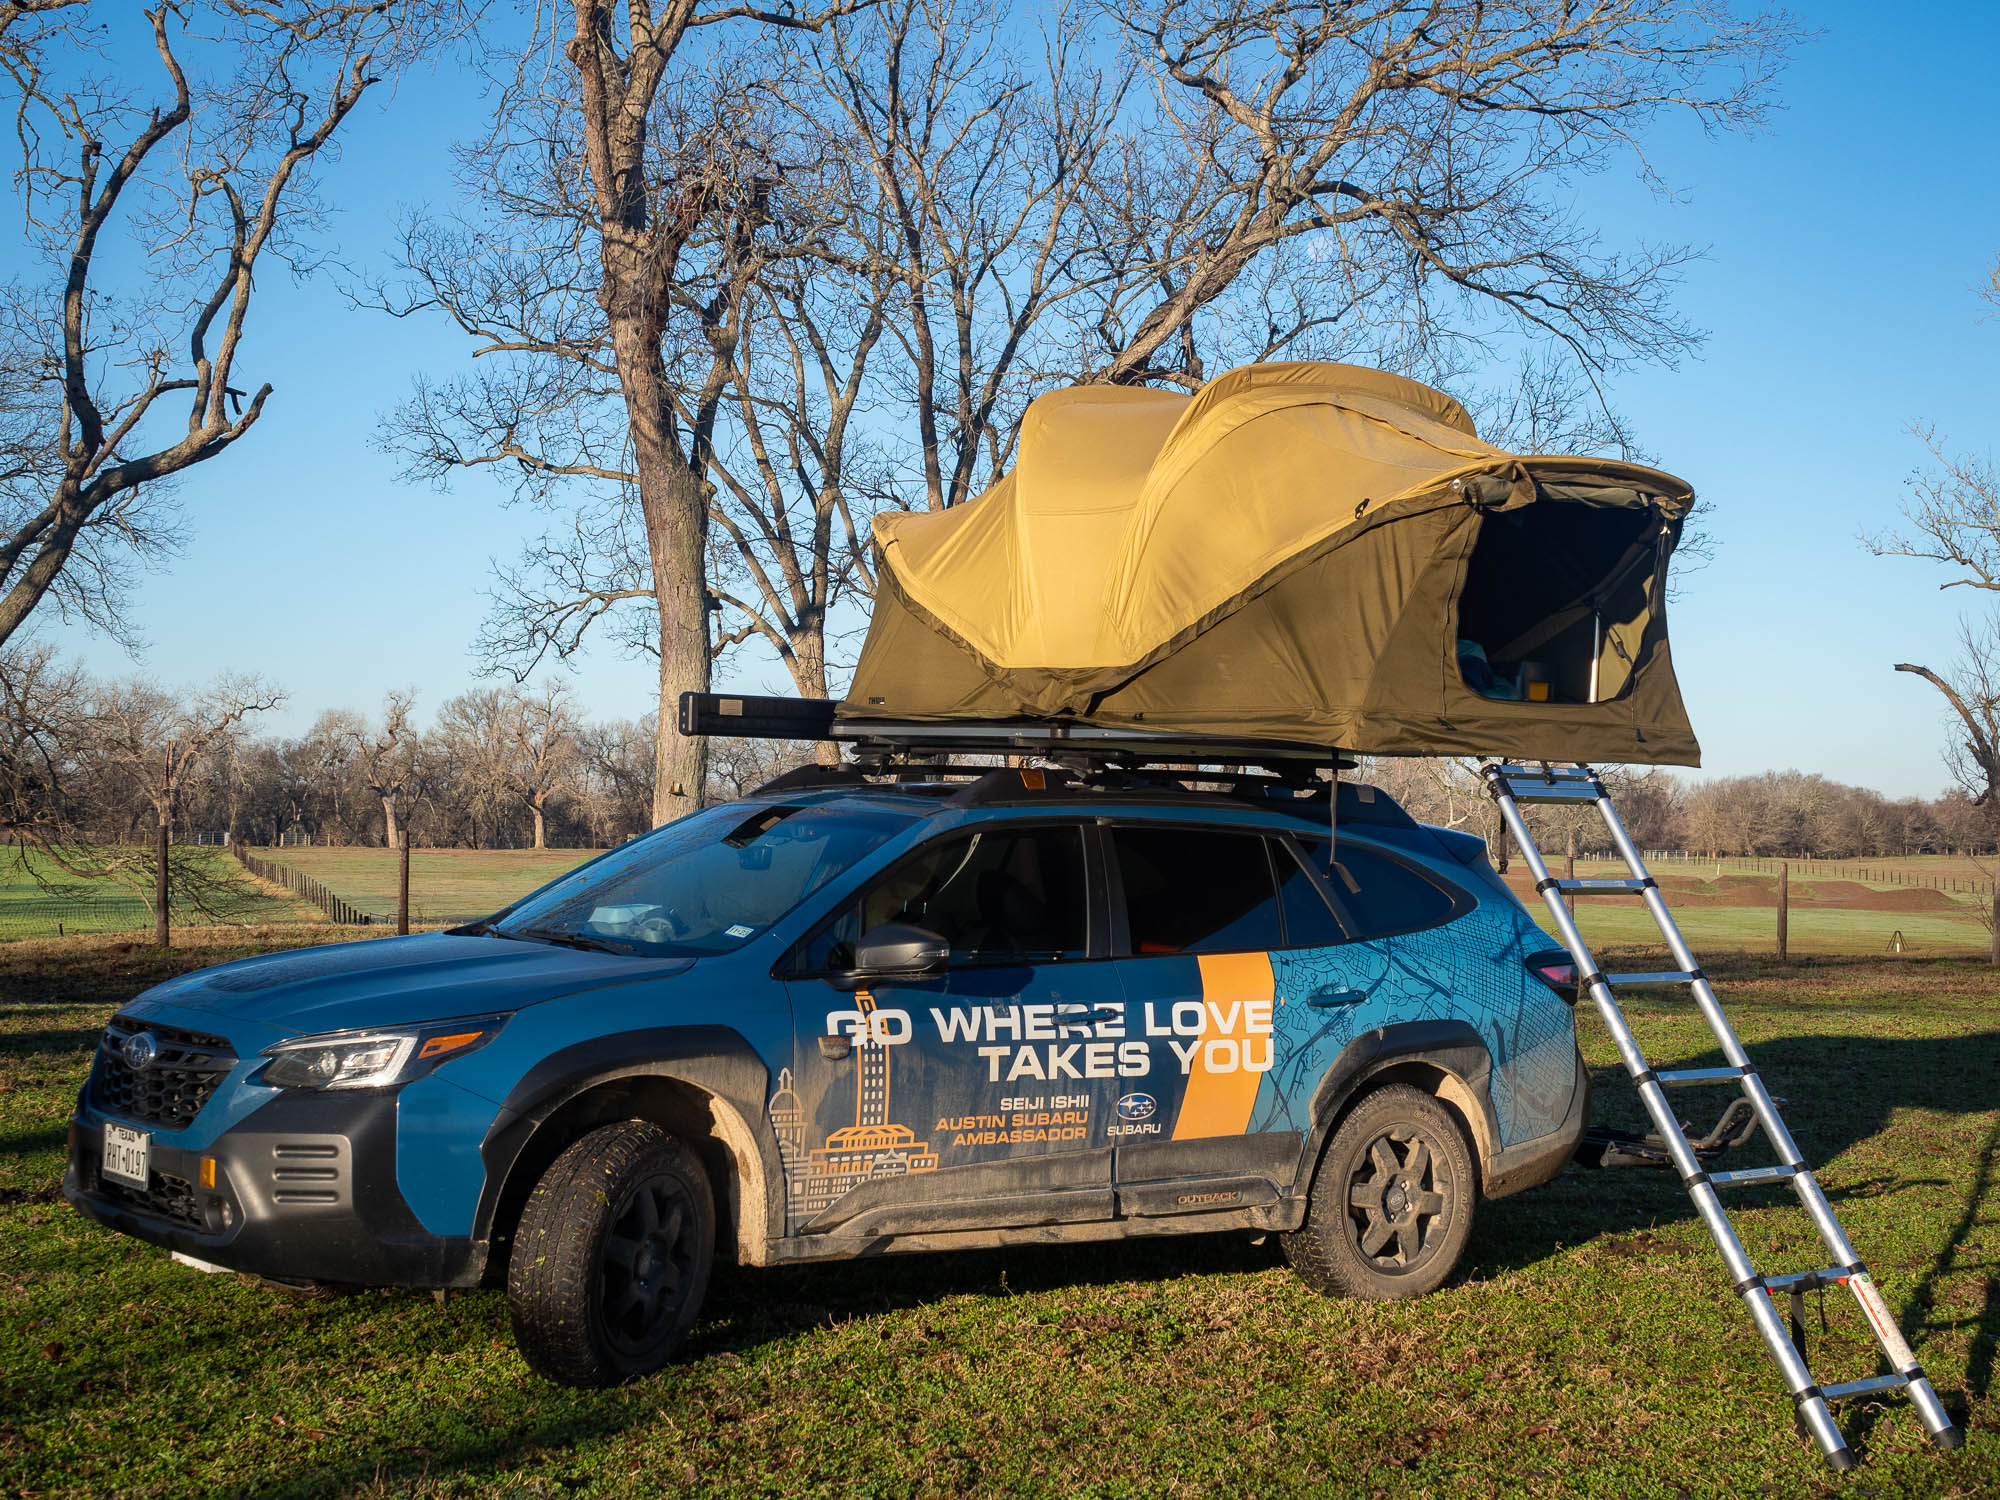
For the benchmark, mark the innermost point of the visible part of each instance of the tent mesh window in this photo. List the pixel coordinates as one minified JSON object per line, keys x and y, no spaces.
{"x":1556,"y":599}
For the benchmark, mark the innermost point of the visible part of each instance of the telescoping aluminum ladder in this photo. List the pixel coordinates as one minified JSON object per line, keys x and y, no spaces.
{"x":1512,"y":786}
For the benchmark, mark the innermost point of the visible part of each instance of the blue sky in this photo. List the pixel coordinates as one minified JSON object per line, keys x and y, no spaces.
{"x":1838,"y":292}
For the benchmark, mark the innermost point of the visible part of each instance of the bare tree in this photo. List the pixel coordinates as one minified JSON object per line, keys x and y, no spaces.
{"x":1952,"y":516}
{"x":1419,"y":156}
{"x":386,"y":757}
{"x":41,"y":708}
{"x":154,"y":738}
{"x":656,"y":202}
{"x":541,"y":750}
{"x":108,"y":394}
{"x":938,"y":211}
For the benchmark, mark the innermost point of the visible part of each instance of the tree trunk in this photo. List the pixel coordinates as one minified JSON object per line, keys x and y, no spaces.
{"x":403,"y":886}
{"x":809,"y":673}
{"x":541,"y":842}
{"x":389,"y":819}
{"x":676,"y":527}
{"x":160,"y":934}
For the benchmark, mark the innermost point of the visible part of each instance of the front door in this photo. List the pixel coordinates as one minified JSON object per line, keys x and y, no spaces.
{"x":973,"y":1098}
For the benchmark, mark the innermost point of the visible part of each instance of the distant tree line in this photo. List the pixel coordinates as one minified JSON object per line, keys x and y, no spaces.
{"x":91,"y":763}
{"x":1775,"y":814}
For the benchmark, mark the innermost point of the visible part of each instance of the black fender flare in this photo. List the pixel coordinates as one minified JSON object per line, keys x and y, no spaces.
{"x":714,"y":1061}
{"x":1454,"y":1048}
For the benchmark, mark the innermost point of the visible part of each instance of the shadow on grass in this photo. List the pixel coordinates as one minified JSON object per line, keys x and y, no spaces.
{"x":1844,"y":1090}
{"x":1839,"y":1090}
{"x":28,"y":1142}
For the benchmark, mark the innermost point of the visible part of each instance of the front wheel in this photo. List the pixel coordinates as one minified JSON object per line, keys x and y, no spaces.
{"x":611,"y":1258}
{"x":1391,"y":1206}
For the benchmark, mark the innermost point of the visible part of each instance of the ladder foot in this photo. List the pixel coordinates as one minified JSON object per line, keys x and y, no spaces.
{"x":1840,"y":1460}
{"x":1949,"y":1438}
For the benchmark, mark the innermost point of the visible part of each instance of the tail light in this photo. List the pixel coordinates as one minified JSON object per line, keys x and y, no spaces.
{"x":1557,"y":970}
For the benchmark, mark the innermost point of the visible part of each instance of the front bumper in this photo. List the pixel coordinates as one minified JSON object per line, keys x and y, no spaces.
{"x":302,"y":1189}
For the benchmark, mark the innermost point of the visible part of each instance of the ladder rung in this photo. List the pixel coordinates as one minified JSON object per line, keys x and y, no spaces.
{"x":1828,"y":1276}
{"x":1863,"y":1387}
{"x":1603,"y":885}
{"x":1755,"y":1174}
{"x":1664,"y":976}
{"x":1554,"y":791}
{"x":1698,"y":1075}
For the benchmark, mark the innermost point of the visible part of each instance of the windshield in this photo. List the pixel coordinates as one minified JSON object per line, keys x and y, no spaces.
{"x":706,"y":884}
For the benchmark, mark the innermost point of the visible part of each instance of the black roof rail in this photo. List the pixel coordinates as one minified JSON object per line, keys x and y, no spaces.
{"x":806,"y":777}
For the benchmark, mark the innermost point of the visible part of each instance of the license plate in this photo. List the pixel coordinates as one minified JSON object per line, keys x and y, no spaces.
{"x":128,"y":1155}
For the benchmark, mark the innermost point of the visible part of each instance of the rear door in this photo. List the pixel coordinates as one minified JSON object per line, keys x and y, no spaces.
{"x":1198,"y":913}
{"x":972,"y":1098}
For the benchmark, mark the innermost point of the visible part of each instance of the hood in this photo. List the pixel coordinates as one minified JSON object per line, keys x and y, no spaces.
{"x":399,"y":981}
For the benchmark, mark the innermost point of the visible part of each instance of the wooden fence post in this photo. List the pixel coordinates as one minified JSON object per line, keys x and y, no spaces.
{"x":161,"y":935}
{"x":403,"y":883}
{"x":1784,"y":906}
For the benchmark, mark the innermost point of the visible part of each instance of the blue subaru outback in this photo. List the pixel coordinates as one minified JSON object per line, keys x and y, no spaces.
{"x":851,"y":1015}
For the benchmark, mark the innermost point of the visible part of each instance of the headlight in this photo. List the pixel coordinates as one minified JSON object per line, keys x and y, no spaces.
{"x":374,"y":1059}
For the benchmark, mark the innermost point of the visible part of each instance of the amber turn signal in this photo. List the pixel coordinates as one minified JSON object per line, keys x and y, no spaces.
{"x":438,"y":1046}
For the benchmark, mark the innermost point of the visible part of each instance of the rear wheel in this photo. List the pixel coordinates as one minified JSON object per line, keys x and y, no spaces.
{"x":612,"y":1256}
{"x":1391,"y":1206}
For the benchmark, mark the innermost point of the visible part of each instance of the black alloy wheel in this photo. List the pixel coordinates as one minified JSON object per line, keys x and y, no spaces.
{"x":611,"y":1259}
{"x":648,"y":1265}
{"x":1391,"y":1206}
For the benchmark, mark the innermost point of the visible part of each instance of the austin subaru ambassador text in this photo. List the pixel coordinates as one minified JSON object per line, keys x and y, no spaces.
{"x":848,"y":1016}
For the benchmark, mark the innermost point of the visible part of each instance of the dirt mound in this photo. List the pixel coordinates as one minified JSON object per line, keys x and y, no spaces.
{"x":1854,"y":896}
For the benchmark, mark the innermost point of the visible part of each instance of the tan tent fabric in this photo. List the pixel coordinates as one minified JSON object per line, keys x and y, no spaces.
{"x":1295,"y":552}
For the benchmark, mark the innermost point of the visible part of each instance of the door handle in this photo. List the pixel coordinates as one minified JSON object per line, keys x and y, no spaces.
{"x":1329,"y":998}
{"x":1101,"y":1013}
{"x":836,"y":1046}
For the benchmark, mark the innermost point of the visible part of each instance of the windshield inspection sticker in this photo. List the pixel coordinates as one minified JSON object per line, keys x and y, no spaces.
{"x":737,"y":929}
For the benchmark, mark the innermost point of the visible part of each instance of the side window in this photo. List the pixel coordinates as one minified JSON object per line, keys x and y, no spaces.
{"x":1383,"y":895}
{"x":1309,"y":922}
{"x":1193,"y":890}
{"x":997,"y":896}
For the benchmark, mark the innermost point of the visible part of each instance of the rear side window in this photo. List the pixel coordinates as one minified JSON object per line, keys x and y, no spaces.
{"x":1382,"y":895}
{"x":1196,"y":890}
{"x":1309,"y":922}
{"x":1002,"y":895}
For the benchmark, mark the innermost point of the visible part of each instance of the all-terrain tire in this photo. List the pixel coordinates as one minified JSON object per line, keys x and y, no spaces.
{"x":1392,"y":1202}
{"x":612,"y":1255}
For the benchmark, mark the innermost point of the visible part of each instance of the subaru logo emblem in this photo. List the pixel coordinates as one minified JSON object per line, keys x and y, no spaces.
{"x":1136,"y":1107}
{"x":141,"y":1051}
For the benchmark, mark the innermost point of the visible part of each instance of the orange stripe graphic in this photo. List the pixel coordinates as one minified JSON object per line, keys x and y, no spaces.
{"x":1219,"y":1103}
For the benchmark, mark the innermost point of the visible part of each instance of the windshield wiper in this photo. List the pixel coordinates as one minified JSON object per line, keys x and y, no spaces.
{"x":569,"y":940}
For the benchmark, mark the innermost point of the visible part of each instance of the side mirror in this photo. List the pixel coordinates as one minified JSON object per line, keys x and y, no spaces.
{"x":893,"y":948}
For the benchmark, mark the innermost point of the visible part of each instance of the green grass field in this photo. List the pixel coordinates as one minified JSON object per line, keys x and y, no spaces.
{"x":1736,"y":911}
{"x":1591,"y":1345}
{"x":39,"y":898}
{"x":444,"y":883}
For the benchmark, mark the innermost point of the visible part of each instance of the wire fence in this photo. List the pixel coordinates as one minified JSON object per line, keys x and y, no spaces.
{"x":1805,"y":867}
{"x":337,"y":907}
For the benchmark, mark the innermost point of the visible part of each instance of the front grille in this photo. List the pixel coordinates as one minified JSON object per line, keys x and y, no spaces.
{"x":170,"y":1093}
{"x":166,"y":1196}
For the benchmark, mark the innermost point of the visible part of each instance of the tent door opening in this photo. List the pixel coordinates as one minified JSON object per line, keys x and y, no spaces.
{"x":1557,"y":596}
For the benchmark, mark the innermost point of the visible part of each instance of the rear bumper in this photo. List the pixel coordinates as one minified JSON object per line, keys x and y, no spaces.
{"x":304,"y":1189}
{"x":1532,"y":1163}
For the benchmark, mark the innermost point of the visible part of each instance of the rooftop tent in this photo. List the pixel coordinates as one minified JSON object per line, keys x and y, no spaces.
{"x":1307,"y":552}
